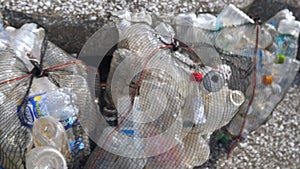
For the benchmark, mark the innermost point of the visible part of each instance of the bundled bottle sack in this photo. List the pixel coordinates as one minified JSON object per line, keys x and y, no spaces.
{"x":44,"y":91}
{"x":180,"y":78}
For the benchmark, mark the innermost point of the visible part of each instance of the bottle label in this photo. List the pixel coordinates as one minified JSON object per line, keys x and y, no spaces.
{"x":76,"y":146}
{"x":32,"y":110}
{"x":36,"y":107}
{"x":287,"y":45}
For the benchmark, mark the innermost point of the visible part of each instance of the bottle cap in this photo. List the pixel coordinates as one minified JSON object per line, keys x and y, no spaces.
{"x":213,"y":81}
{"x":268,"y":79}
{"x":281,"y":58}
{"x":196,"y":76}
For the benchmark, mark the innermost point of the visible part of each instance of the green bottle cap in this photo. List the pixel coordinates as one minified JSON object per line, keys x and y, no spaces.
{"x":281,"y":58}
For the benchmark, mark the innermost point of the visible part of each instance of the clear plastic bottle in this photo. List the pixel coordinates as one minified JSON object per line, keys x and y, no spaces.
{"x":196,"y":150}
{"x":122,"y":143}
{"x":26,"y":39}
{"x":45,"y":157}
{"x":48,"y":131}
{"x":220,"y":107}
{"x":232,"y":16}
{"x":60,"y":104}
{"x":41,"y":85}
{"x":287,"y":40}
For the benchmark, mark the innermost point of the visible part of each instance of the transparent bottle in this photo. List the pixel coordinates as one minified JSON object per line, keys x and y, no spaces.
{"x":60,"y":104}
{"x":232,"y":16}
{"x":26,"y":39}
{"x":48,"y":131}
{"x":41,"y":85}
{"x":220,"y":107}
{"x":45,"y":157}
{"x":196,"y":150}
{"x":287,"y":40}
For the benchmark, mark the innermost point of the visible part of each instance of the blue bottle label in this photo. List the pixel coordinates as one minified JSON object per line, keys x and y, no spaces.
{"x":287,"y":45}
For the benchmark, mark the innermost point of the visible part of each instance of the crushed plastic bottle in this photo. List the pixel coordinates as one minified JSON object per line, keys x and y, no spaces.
{"x":60,"y":104}
{"x":48,"y":131}
{"x":225,"y":102}
{"x":196,"y":150}
{"x":26,"y":39}
{"x":41,"y":85}
{"x":45,"y":157}
{"x":166,"y":32}
{"x":206,"y":21}
{"x":232,"y":16}
{"x":283,"y":14}
{"x":287,"y":45}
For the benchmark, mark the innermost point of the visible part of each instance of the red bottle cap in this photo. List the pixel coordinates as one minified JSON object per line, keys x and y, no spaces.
{"x":196,"y":76}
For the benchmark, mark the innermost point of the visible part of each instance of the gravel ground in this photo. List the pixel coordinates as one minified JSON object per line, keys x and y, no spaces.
{"x":65,"y":18}
{"x":273,"y":145}
{"x":92,"y":9}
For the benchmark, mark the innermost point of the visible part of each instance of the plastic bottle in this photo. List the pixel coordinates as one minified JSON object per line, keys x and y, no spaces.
{"x":122,"y":143}
{"x":26,"y":39}
{"x":45,"y":157}
{"x":60,"y":104}
{"x":266,"y":98}
{"x":48,"y":131}
{"x":283,"y":14}
{"x":196,"y":150}
{"x":232,"y":16}
{"x":41,"y":85}
{"x":220,"y":108}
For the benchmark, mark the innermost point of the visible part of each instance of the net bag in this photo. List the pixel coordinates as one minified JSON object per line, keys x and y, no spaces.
{"x":44,"y":94}
{"x":185,"y":77}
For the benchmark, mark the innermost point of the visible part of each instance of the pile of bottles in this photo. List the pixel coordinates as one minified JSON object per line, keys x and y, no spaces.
{"x":172,"y":82}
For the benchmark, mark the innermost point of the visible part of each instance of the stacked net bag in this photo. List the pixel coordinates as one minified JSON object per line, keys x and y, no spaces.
{"x":174,"y":80}
{"x":276,"y":69}
{"x":44,"y":94}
